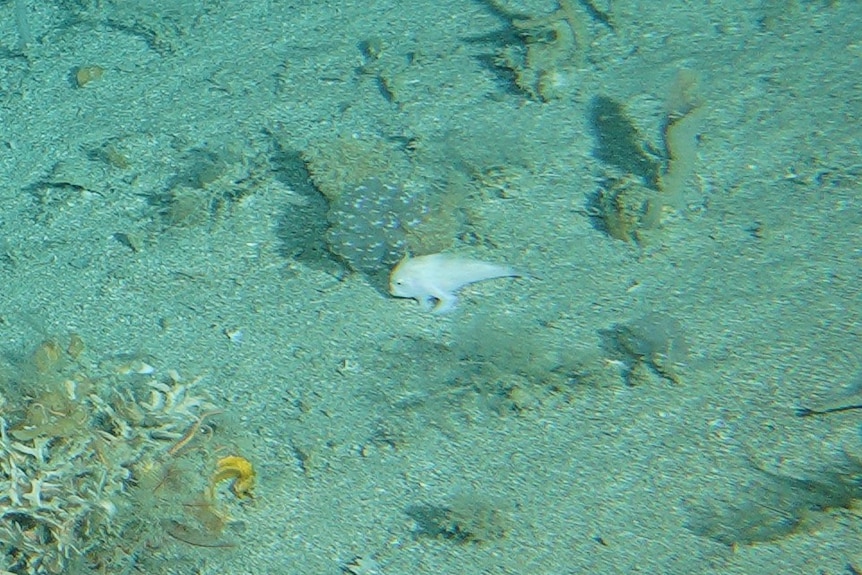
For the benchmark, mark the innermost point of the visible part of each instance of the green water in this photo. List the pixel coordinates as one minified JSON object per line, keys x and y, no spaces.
{"x":678,"y":183}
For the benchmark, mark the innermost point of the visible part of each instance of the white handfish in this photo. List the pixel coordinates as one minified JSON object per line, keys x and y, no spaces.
{"x":433,"y":280}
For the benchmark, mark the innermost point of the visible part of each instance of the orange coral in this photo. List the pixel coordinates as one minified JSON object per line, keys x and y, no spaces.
{"x":236,"y":468}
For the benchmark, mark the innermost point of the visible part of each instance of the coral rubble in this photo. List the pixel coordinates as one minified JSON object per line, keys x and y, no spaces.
{"x":86,"y":454}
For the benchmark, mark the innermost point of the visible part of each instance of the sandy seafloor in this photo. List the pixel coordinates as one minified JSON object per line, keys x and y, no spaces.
{"x":761,"y":269}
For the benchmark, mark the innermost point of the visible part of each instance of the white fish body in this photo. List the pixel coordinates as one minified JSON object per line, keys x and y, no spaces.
{"x":433,"y":280}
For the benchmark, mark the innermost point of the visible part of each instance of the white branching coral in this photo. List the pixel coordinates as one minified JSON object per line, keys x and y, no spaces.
{"x":67,"y":465}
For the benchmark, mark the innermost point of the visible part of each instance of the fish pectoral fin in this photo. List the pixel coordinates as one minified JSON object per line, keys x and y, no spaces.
{"x":445,"y":303}
{"x":428,"y":302}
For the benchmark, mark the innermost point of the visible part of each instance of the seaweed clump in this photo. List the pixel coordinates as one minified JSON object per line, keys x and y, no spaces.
{"x":652,"y":344}
{"x":779,"y":506}
{"x":645,"y":182}
{"x":552,"y":49}
{"x":94,"y":469}
{"x":466,"y":519}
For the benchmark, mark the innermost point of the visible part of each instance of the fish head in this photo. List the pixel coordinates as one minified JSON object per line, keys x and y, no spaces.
{"x":402,"y":280}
